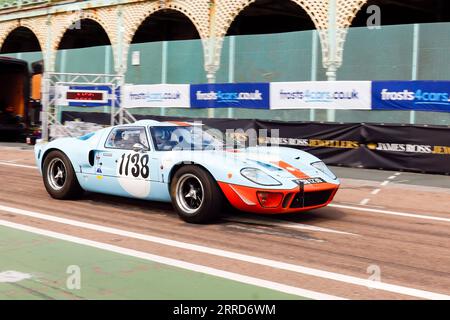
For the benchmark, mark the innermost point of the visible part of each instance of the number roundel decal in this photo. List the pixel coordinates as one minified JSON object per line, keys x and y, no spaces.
{"x":133,"y":173}
{"x":134,"y":165}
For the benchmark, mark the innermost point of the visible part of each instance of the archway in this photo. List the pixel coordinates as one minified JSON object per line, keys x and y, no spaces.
{"x":85,"y":48}
{"x":166,"y":25}
{"x":18,"y":91}
{"x":395,"y":12}
{"x":284,"y":53}
{"x":410,"y":44}
{"x":21,"y":39}
{"x":271,"y":16}
{"x":166,"y":47}
{"x":84,"y":33}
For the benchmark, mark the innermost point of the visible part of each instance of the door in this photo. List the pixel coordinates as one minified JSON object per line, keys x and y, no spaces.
{"x":126,"y":162}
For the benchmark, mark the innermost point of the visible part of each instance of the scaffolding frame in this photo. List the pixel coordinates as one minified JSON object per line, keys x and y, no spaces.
{"x":49,"y":115}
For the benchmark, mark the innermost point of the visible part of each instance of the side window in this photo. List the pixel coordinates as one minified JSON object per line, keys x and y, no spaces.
{"x":126,"y":138}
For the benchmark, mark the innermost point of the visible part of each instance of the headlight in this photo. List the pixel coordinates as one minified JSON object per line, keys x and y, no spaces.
{"x":323,"y":168}
{"x":259,"y":177}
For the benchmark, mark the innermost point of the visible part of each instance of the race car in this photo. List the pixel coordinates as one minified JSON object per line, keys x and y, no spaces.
{"x":188,"y":164}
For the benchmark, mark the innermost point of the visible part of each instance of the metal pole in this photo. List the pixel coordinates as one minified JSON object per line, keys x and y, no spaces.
{"x":165,"y":46}
{"x":314,"y":58}
{"x":231,"y":67}
{"x":415,"y":65}
{"x":211,"y":68}
{"x":45,"y":86}
{"x":332,"y":42}
{"x":45,"y":106}
{"x":120,"y":67}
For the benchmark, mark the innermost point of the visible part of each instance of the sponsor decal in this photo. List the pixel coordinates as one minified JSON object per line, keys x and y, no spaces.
{"x":321,"y":95}
{"x":411,"y":95}
{"x":155,"y":96}
{"x":239,"y":95}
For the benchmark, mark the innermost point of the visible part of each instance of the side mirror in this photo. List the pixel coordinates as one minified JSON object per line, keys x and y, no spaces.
{"x":137,"y":147}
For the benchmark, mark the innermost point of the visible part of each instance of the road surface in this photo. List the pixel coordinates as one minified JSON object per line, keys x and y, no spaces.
{"x":386,"y":236}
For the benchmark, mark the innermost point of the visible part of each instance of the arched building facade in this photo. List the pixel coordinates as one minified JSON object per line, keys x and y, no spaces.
{"x":211,"y":18}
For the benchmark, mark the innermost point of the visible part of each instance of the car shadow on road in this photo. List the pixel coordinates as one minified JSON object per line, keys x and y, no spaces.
{"x":310,"y":216}
{"x":228,"y":213}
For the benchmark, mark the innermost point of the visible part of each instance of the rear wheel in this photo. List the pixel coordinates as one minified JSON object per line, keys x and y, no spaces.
{"x":59,"y":177}
{"x":195,"y":195}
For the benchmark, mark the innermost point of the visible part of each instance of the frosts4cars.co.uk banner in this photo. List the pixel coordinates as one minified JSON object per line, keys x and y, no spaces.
{"x":333,"y":95}
{"x":411,"y":95}
{"x":157,"y":96}
{"x":231,"y":95}
{"x":345,"y":95}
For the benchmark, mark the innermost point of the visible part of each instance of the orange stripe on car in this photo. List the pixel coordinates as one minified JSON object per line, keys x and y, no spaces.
{"x":181,"y":124}
{"x":296,"y":172}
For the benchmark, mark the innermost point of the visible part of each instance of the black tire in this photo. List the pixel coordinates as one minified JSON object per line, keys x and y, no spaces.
{"x":211,"y":196}
{"x":63,"y":188}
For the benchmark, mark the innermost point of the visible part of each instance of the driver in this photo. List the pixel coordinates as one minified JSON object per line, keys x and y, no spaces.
{"x":161,"y":139}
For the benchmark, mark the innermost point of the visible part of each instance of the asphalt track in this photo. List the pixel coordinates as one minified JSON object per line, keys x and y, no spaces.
{"x":386,"y":236}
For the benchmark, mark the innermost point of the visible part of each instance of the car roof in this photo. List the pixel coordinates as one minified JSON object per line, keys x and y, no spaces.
{"x":154,"y":123}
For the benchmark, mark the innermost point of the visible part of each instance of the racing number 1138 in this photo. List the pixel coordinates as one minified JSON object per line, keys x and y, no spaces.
{"x":137,"y":163}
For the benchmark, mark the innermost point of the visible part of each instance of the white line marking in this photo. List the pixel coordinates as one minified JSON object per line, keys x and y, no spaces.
{"x":376,"y":191}
{"x":17,"y":165}
{"x":392,"y":213}
{"x":176,"y":263}
{"x":392,"y":177}
{"x":385,"y":183}
{"x":364,"y":202}
{"x":13,"y":276}
{"x":285,"y":224}
{"x":238,"y":256}
{"x":398,"y":173}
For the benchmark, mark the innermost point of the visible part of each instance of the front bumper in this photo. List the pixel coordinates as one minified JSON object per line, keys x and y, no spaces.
{"x":294,"y":200}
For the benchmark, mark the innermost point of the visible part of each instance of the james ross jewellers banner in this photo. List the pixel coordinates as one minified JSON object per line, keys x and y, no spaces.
{"x":392,"y":147}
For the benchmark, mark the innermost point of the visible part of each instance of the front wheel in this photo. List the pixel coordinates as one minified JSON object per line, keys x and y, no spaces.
{"x":59,"y":177}
{"x":195,"y":195}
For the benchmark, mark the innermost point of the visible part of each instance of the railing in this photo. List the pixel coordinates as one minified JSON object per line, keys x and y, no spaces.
{"x":18,"y":4}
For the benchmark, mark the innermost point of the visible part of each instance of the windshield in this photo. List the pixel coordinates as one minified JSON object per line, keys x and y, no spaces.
{"x":168,"y":138}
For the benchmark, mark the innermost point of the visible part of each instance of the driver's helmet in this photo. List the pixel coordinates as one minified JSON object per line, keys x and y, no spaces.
{"x":181,"y":135}
{"x":161,"y":137}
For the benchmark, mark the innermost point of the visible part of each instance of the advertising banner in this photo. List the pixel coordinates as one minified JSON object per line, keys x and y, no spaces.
{"x":345,"y":95}
{"x":411,"y":95}
{"x":231,"y":95}
{"x":156,"y":96}
{"x":373,"y":146}
{"x":82,"y":96}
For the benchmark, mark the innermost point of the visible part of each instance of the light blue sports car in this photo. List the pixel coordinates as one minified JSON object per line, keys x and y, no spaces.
{"x":186,"y":164}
